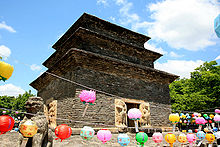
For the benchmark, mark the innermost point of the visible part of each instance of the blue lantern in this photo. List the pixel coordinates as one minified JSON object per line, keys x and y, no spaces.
{"x":215,"y":129}
{"x":87,"y":133}
{"x":123,"y":139}
{"x":200,"y":135}
{"x":217,"y":25}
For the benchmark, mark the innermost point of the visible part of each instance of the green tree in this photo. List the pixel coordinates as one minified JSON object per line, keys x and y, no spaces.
{"x":200,"y":92}
{"x":15,"y":103}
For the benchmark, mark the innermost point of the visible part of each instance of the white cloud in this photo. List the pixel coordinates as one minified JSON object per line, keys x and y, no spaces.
{"x":217,"y":58}
{"x":3,"y":25}
{"x":184,"y":23}
{"x":152,"y":47}
{"x":112,"y":18}
{"x":35,"y":67}
{"x":175,"y":55}
{"x":181,"y":68}
{"x":103,"y":2}
{"x":5,"y":52}
{"x":119,"y":2}
{"x":10,"y":90}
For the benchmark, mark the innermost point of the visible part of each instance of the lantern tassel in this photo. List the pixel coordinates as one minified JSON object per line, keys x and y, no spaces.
{"x":200,"y":143}
{"x":136,"y":126}
{"x":171,"y":145}
{"x":87,"y":105}
{"x":200,"y":127}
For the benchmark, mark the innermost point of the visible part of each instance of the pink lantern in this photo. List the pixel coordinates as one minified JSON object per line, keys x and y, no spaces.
{"x":88,"y":98}
{"x":135,"y":114}
{"x":16,"y":112}
{"x":104,"y":135}
{"x":217,"y":111}
{"x":200,"y":121}
{"x":185,"y":121}
{"x":191,"y":138}
{"x":217,"y":119}
{"x":157,"y":137}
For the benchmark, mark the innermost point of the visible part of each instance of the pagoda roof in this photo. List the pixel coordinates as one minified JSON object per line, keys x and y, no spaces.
{"x":93,"y":61}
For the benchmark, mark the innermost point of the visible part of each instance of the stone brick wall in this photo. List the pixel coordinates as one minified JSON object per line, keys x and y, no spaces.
{"x":70,"y":107}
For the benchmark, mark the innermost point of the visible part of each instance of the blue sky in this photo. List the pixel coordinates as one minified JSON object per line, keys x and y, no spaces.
{"x":182,"y":30}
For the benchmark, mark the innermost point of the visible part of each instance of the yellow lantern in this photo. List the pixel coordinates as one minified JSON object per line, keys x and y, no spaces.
{"x":210,"y":137}
{"x":28,"y":128}
{"x":6,"y":71}
{"x":170,"y":138}
{"x":211,"y":116}
{"x":174,"y":118}
{"x":182,"y":138}
{"x":206,"y":130}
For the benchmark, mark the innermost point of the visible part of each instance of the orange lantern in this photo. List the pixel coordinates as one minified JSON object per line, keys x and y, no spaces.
{"x":63,"y":131}
{"x":182,"y":138}
{"x":170,"y":138}
{"x":28,"y":128}
{"x":210,"y":138}
{"x":6,"y":124}
{"x":6,"y":71}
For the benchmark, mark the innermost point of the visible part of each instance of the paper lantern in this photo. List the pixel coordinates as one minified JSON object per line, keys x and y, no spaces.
{"x":135,"y":114}
{"x":205,"y":115}
{"x":196,"y":130}
{"x":104,"y":135}
{"x":182,"y":138}
{"x":28,"y":128}
{"x":215,"y":129}
{"x":88,"y":98}
{"x":217,"y":118}
{"x":174,"y":118}
{"x":185,"y":121}
{"x":123,"y":139}
{"x":211,"y":116}
{"x":6,"y":124}
{"x":63,"y":131}
{"x":191,"y":138}
{"x":200,"y":135}
{"x":157,"y":137}
{"x":200,"y":121}
{"x":217,"y":25}
{"x":170,"y":138}
{"x":210,"y":121}
{"x":141,"y":138}
{"x":87,"y":133}
{"x":210,"y":138}
{"x":16,"y":129}
{"x":217,"y":111}
{"x":6,"y":71}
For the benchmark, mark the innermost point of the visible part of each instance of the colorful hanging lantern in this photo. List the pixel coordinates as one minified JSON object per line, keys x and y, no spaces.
{"x":211,"y":116}
{"x":174,"y":118}
{"x":88,"y":98}
{"x":217,"y":25}
{"x":87,"y":133}
{"x":157,"y":137}
{"x":104,"y":135}
{"x":28,"y":128}
{"x":196,"y":130}
{"x":201,"y":136}
{"x":135,"y":114}
{"x":182,"y":138}
{"x":63,"y":131}
{"x":200,"y":121}
{"x":215,"y":129}
{"x":217,"y":111}
{"x":191,"y":138}
{"x":210,"y":137}
{"x":170,"y":138}
{"x":6,"y":124}
{"x":141,"y":138}
{"x":217,"y":119}
{"x":123,"y":139}
{"x":6,"y":71}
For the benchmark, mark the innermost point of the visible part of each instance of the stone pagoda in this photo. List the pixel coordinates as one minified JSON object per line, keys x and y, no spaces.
{"x":108,"y":58}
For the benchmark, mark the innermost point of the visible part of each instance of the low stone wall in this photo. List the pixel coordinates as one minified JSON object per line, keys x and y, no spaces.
{"x":10,"y":139}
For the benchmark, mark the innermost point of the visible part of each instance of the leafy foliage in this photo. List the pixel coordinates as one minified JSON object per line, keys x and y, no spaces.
{"x":15,"y":103}
{"x":200,"y":92}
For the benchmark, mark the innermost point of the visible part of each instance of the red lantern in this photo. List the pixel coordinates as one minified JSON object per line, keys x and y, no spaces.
{"x":6,"y":124}
{"x":63,"y":131}
{"x":210,"y":121}
{"x":196,"y":130}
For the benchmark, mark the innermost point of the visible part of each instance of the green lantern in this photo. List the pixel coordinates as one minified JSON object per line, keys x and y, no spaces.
{"x":205,"y":115}
{"x":141,"y":138}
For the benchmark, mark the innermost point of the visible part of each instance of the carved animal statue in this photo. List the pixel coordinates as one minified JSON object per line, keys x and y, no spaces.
{"x":121,"y":113}
{"x":145,"y":118}
{"x":42,"y":138}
